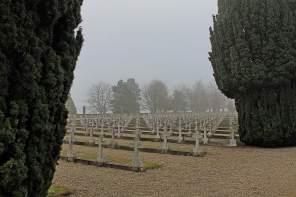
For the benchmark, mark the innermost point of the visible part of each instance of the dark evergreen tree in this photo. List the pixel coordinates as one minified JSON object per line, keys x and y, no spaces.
{"x":39,"y":46}
{"x":254,"y":61}
{"x":126,"y":97}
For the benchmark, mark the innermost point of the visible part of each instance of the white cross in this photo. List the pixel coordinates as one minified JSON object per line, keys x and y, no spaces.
{"x":165,"y":147}
{"x":137,"y":163}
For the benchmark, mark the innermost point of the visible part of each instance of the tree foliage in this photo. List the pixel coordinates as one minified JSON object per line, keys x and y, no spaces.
{"x":254,"y":61}
{"x":157,"y":98}
{"x":38,"y":51}
{"x":126,"y":97}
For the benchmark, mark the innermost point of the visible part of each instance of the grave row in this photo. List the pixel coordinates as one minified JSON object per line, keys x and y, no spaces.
{"x":196,"y":128}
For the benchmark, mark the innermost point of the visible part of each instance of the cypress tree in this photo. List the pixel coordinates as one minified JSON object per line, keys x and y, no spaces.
{"x":254,"y":61}
{"x":39,"y":46}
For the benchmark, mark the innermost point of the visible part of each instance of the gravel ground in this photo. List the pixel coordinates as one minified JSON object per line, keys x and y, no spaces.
{"x":223,"y":172}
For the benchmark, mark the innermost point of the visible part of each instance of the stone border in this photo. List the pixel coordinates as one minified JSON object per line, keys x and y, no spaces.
{"x":104,"y":165}
{"x":146,"y":150}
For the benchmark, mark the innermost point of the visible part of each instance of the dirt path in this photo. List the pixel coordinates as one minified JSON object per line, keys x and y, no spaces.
{"x":223,"y":172}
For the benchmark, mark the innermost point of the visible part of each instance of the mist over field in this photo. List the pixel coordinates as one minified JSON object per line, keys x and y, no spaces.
{"x":146,"y":40}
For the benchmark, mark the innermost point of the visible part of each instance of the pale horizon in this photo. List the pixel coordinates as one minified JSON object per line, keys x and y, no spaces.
{"x":166,"y":40}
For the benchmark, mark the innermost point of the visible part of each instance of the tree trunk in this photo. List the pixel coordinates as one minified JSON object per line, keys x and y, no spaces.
{"x":267,"y":117}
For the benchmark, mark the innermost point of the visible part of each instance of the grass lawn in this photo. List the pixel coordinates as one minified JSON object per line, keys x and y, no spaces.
{"x":58,"y":191}
{"x":113,"y":156}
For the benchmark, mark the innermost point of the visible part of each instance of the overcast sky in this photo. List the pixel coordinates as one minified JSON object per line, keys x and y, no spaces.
{"x":145,"y":40}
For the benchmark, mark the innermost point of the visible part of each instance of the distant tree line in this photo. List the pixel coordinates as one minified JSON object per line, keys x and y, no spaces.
{"x":155,"y":97}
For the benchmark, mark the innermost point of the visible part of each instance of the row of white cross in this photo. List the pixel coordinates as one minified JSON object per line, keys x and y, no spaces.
{"x":155,"y":122}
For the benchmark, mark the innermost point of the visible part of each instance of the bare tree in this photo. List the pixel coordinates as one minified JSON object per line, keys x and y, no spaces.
{"x":198,"y":101}
{"x":217,"y":101}
{"x":230,"y":105}
{"x":155,"y":97}
{"x":100,"y":96}
{"x":180,"y":99}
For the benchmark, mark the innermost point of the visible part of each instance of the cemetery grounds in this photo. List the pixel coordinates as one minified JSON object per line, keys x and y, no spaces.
{"x":161,"y":155}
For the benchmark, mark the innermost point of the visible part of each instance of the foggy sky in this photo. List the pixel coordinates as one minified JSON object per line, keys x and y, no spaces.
{"x":146,"y":40}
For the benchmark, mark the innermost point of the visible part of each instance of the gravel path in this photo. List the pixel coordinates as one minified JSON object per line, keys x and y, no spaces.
{"x":223,"y":172}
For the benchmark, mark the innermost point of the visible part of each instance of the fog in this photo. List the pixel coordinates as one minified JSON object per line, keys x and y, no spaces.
{"x":145,"y":40}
